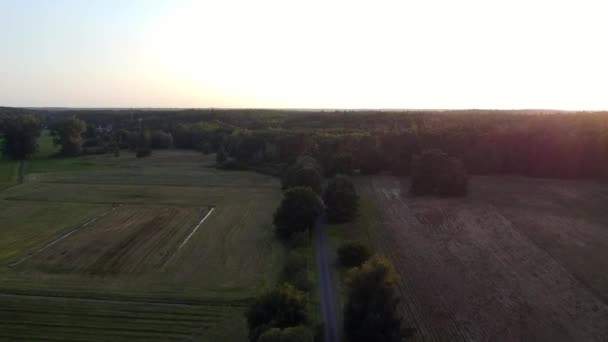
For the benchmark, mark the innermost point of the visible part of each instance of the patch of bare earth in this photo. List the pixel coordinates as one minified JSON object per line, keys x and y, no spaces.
{"x":519,"y":259}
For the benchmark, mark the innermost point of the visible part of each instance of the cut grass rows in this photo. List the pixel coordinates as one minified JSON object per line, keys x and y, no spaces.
{"x":73,"y":319}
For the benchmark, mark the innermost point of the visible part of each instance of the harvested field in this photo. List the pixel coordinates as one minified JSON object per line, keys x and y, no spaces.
{"x":27,"y":227}
{"x":35,"y":318}
{"x":64,"y":278}
{"x":129,"y":240}
{"x":519,"y":259}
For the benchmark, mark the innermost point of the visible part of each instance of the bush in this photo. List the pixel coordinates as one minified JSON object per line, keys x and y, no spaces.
{"x":295,"y":271}
{"x":297,"y":212}
{"x":292,"y":334}
{"x":341,"y":200}
{"x":371,"y":312}
{"x":143,"y":152}
{"x":352,"y":255}
{"x":281,"y":308}
{"x":159,"y":139}
{"x":434,"y":172}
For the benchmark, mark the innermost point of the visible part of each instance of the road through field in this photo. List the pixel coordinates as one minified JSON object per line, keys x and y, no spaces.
{"x":327,"y":295}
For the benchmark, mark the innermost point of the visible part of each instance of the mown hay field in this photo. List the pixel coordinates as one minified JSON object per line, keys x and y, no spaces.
{"x":116,"y":229}
{"x":517,"y":259}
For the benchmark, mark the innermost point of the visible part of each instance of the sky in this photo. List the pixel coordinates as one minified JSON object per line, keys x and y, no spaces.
{"x":409,"y":54}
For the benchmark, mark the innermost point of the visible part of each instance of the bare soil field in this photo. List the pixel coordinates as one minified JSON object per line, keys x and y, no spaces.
{"x":518,"y":259}
{"x":129,"y":240}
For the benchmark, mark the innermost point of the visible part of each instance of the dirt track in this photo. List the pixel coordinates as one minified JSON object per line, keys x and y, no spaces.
{"x":479,"y":269}
{"x":327,"y":293}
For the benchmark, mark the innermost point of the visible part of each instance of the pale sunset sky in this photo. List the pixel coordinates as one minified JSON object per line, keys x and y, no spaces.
{"x":406,"y":54}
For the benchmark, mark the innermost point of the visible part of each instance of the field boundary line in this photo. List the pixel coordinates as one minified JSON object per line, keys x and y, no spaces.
{"x":228,"y":303}
{"x":158,"y":184}
{"x":61,"y":237}
{"x":195,"y":229}
{"x":150,"y":204}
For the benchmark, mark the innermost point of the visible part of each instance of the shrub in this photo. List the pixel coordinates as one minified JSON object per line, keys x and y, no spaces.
{"x":282,"y":307}
{"x":295,"y":271}
{"x":292,"y":334}
{"x":352,"y":254}
{"x":143,"y":152}
{"x":341,"y":200}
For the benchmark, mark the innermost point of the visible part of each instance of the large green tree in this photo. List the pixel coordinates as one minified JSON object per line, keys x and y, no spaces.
{"x":283,"y":307}
{"x":297,"y":212}
{"x":68,"y":134}
{"x":341,"y":199}
{"x":305,"y":171}
{"x":21,"y":133}
{"x":371,"y":312}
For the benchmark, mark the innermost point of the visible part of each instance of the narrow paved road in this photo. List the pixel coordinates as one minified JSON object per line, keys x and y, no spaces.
{"x":327,"y":295}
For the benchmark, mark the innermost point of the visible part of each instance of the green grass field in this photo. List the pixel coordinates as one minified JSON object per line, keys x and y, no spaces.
{"x":137,"y":252}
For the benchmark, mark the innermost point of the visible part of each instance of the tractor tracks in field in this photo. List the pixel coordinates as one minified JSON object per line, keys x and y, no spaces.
{"x":237,"y":303}
{"x":62,"y":237}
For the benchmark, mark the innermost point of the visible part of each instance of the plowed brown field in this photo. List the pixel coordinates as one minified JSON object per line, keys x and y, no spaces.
{"x":517,"y":260}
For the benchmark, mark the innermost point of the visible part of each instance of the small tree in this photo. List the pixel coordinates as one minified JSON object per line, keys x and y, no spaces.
{"x":341,"y":199}
{"x":297,"y":212}
{"x":352,"y":254}
{"x":68,"y":135}
{"x":371,"y":312}
{"x":20,"y":136}
{"x":281,"y":308}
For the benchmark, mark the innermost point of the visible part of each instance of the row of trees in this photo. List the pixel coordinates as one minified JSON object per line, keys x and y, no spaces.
{"x":297,"y":214}
{"x":281,"y":314}
{"x":557,"y":145}
{"x":74,"y":137}
{"x":21,"y":133}
{"x":541,"y":143}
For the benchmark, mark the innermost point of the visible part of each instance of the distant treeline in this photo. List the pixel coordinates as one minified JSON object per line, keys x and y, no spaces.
{"x":533,"y":143}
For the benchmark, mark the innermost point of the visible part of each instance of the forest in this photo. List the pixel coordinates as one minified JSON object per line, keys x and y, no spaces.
{"x":553,"y":144}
